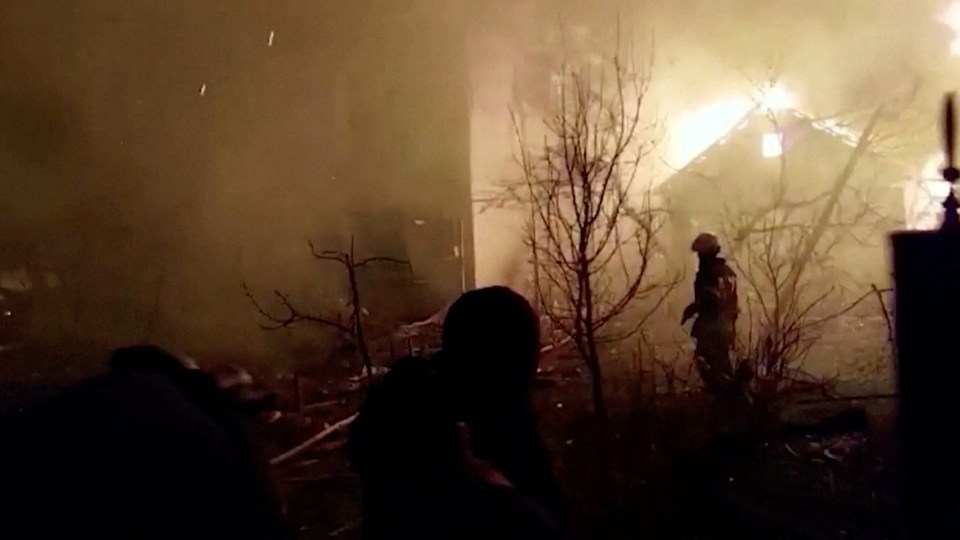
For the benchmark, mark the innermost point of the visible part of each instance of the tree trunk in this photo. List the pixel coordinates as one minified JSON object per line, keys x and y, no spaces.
{"x":357,"y":315}
{"x":606,"y":455}
{"x":535,"y":261}
{"x":592,"y":353}
{"x":596,"y":385}
{"x":358,"y":335}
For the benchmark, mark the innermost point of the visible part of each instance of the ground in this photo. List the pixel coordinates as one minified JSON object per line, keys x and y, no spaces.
{"x":674,"y":471}
{"x":674,"y":476}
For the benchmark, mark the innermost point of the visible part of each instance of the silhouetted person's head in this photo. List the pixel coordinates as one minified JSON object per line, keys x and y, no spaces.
{"x":706,"y":246}
{"x":150,"y":450}
{"x":491,"y":340}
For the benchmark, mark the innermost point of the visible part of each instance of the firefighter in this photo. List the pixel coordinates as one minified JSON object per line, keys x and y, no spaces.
{"x":715,"y":309}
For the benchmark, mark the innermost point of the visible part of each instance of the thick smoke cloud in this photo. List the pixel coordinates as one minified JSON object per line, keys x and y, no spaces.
{"x":153,"y":202}
{"x":835,"y":57}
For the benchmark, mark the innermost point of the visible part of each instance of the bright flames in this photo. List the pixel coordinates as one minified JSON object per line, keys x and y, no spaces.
{"x":699,"y":129}
{"x":776,"y":98}
{"x":772,"y":145}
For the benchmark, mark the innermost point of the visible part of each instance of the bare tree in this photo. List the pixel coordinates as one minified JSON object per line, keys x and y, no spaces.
{"x":786,"y":310}
{"x":352,"y":325}
{"x":784,"y":252}
{"x":591,"y":245}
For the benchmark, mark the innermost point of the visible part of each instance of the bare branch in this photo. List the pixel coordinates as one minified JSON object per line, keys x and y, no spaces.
{"x":292,"y":315}
{"x":591,"y":248}
{"x":355,"y":327}
{"x":364,"y":262}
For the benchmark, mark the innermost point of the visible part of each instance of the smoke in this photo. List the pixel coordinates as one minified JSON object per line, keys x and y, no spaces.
{"x":709,"y":57}
{"x":834,"y":54}
{"x":154,"y":155}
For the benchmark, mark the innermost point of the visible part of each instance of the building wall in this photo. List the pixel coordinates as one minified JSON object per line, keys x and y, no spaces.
{"x":154,"y":201}
{"x":516,"y":49}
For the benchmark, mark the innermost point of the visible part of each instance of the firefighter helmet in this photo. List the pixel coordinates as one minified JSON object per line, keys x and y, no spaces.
{"x":706,"y":244}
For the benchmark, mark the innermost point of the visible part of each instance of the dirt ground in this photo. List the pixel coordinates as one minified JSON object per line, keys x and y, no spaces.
{"x":674,"y":475}
{"x":678,"y":472}
{"x":675,"y":470}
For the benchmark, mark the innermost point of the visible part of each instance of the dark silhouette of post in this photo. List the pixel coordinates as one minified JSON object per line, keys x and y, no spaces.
{"x":926,"y":271}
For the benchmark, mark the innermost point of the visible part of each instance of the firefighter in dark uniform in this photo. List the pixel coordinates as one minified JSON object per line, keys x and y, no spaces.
{"x":715,"y":309}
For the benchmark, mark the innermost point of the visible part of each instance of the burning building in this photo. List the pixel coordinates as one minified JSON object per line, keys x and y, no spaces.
{"x":778,"y":162}
{"x":155,"y":166}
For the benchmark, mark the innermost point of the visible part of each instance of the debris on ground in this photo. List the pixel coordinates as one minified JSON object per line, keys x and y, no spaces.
{"x":836,"y":448}
{"x":286,"y":456}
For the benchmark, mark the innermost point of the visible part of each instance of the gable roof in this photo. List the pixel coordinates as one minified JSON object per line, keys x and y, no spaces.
{"x":830,"y":126}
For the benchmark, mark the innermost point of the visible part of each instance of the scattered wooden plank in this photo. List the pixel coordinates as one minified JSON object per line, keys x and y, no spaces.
{"x":295,"y":451}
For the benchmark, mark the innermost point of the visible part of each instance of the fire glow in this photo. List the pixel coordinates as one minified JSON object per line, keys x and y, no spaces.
{"x":951,"y":18}
{"x":699,"y":129}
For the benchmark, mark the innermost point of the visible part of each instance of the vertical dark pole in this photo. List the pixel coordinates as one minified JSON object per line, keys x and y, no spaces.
{"x":297,"y":399}
{"x":951,"y":221}
{"x":926,"y":269}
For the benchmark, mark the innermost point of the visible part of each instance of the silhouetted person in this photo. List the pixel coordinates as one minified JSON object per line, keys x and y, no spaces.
{"x":408,"y":444}
{"x":490,"y":351}
{"x":715,"y":309}
{"x":152,"y":450}
{"x":403,"y":445}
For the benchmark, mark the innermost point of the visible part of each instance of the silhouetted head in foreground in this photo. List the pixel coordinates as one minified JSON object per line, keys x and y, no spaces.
{"x":152,"y":450}
{"x":490,"y":352}
{"x":407,"y":444}
{"x":491,"y":344}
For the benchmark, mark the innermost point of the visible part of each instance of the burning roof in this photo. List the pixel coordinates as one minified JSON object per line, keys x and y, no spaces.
{"x":780,"y":123}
